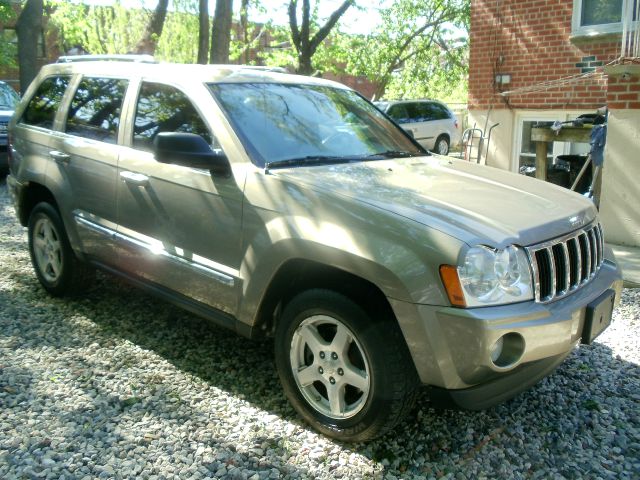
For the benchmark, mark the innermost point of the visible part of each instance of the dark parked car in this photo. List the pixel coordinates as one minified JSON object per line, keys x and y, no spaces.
{"x":8,"y":101}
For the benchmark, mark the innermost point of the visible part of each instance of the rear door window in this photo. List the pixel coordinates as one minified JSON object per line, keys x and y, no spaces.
{"x":163,"y":108}
{"x":95,"y":109}
{"x":42,"y":107}
{"x":399,"y":113}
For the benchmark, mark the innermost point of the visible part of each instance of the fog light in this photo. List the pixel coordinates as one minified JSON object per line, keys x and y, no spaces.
{"x":507,"y":351}
{"x":496,"y":349}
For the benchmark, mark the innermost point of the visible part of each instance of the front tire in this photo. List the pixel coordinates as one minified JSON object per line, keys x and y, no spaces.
{"x":348,"y":375}
{"x":55,"y":264}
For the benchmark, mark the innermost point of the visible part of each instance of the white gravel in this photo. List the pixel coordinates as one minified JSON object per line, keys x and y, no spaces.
{"x":117,"y":384}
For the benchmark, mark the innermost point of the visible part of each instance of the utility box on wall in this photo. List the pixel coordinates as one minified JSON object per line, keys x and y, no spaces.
{"x":619,"y":205}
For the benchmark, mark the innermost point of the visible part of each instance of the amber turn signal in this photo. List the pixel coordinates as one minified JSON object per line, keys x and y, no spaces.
{"x":449,"y":275}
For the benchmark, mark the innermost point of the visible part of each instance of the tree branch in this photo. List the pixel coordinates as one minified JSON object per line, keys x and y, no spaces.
{"x":333,"y":19}
{"x":293,"y":24}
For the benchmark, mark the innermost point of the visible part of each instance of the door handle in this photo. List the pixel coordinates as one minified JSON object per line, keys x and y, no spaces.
{"x":60,"y":157}
{"x":134,"y":178}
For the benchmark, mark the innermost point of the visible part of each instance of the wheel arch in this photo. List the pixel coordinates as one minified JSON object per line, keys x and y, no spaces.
{"x":30,"y":196}
{"x":297,"y":275}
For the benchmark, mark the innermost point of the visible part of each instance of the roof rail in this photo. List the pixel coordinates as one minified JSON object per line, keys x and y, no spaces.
{"x":264,"y":69}
{"x":111,"y":58}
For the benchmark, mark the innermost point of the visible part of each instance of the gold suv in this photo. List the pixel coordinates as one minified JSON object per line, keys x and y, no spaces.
{"x":288,"y":206}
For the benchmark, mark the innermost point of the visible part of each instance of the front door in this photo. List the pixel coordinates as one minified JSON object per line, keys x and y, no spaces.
{"x":179,"y":227}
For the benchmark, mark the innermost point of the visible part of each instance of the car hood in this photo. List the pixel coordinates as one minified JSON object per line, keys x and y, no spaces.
{"x":474,"y":203}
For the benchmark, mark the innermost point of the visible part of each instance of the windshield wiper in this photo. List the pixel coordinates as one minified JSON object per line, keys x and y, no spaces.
{"x":396,"y":154}
{"x":309,"y":160}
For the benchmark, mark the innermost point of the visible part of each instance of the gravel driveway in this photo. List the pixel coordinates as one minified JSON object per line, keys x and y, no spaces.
{"x":118,"y":384}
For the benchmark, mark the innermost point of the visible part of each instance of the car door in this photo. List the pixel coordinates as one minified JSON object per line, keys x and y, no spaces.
{"x":85,"y":154}
{"x":178,"y":227}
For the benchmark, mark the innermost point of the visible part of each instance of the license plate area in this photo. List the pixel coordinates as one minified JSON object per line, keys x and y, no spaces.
{"x":598,"y":316}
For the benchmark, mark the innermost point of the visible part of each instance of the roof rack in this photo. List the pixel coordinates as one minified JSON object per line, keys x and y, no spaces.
{"x":110,"y":58}
{"x":264,"y":69}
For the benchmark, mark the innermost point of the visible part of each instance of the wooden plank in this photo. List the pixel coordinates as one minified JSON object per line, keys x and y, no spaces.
{"x":541,"y":160}
{"x":567,"y":134}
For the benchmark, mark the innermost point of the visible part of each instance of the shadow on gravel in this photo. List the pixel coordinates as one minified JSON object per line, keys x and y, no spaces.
{"x":588,"y":403}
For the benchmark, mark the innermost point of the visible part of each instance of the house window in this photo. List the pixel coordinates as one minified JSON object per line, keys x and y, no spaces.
{"x":525,"y":149}
{"x":591,"y":17}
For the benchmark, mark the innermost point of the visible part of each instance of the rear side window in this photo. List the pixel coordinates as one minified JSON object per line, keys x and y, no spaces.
{"x":440,"y":112}
{"x":399,"y":113}
{"x":95,"y":109}
{"x":44,"y":104}
{"x":162,"y":108}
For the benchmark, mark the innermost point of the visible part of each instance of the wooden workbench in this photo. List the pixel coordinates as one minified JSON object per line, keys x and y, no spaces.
{"x":544,"y":135}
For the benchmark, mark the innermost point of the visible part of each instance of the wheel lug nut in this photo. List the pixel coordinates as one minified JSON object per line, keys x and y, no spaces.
{"x":332,"y":380}
{"x":322,"y":355}
{"x":320,"y":370}
{"x":334,"y":355}
{"x":340,"y":372}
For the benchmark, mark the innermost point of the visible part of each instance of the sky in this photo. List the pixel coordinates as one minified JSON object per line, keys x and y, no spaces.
{"x":353,"y":21}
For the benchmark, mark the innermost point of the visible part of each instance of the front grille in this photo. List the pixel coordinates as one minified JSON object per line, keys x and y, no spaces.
{"x":563,"y":265}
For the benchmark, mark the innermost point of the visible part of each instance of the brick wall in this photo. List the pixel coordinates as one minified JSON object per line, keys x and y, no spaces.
{"x":530,"y":40}
{"x":624,"y":90}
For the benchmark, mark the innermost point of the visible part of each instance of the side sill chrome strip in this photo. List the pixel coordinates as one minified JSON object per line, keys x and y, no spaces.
{"x":223,"y":278}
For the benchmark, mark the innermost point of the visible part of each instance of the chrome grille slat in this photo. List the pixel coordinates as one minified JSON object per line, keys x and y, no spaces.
{"x":567,"y":269}
{"x":587,"y":256}
{"x":563,"y":265}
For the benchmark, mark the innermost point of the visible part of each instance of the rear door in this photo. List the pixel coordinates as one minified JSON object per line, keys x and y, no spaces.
{"x":32,"y":132}
{"x":85,"y":155}
{"x":179,"y":227}
{"x":425,"y":132}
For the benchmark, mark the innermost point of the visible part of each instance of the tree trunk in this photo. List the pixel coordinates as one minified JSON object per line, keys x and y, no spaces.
{"x":29,"y":28}
{"x":244,"y":30}
{"x":203,"y":33}
{"x":221,"y":32}
{"x":149,"y":41}
{"x":306,"y":45}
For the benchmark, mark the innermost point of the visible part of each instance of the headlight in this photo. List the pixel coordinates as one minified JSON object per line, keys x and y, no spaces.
{"x":493,"y":277}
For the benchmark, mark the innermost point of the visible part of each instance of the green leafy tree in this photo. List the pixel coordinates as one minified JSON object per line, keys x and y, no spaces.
{"x":7,"y":49}
{"x":419,"y":49}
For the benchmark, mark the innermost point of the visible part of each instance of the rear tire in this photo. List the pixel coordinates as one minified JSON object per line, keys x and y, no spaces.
{"x":442,"y":145}
{"x":350,"y":376}
{"x":55,"y":263}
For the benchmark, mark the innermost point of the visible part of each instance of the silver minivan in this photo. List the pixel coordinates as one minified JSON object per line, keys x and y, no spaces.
{"x":430,"y":122}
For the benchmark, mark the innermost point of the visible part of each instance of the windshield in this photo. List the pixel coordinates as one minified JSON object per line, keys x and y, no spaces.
{"x":8,"y":98}
{"x":305,"y":124}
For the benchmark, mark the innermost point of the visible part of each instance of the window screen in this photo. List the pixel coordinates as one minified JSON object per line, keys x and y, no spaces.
{"x":95,"y":109}
{"x":44,"y":104}
{"x":162,"y":108}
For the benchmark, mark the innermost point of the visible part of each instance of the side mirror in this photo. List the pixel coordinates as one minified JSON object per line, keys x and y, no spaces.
{"x":409,"y":132}
{"x":189,"y":150}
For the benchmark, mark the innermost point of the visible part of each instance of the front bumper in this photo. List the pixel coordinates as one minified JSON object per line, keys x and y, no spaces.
{"x":451,"y":347}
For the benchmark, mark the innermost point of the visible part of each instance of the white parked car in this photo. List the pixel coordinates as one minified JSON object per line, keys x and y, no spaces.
{"x":430,"y":122}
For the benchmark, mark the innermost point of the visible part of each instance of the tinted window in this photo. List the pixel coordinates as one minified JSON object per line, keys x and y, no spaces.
{"x":421,"y":112}
{"x":95,"y":109}
{"x":162,"y":108}
{"x":440,"y":112}
{"x":399,"y":113}
{"x":44,"y":104}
